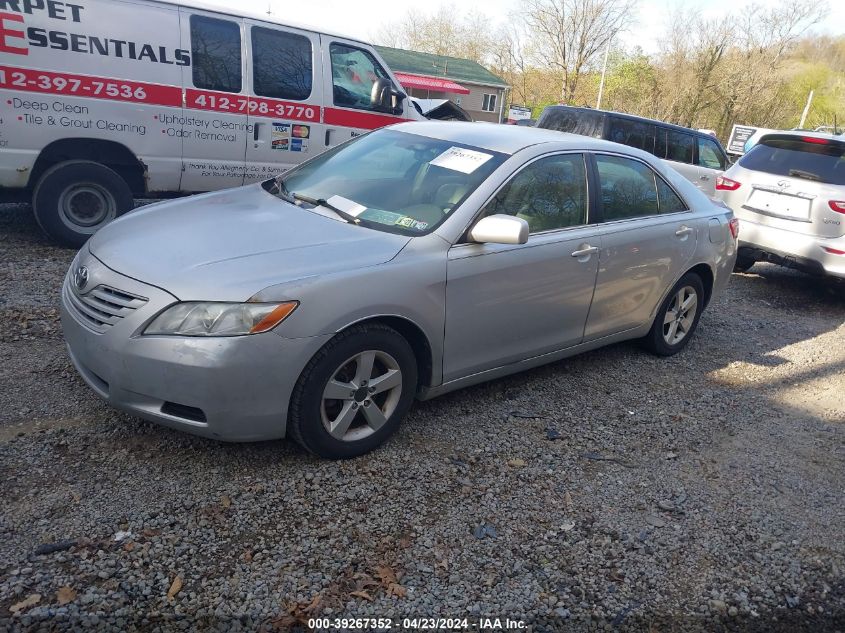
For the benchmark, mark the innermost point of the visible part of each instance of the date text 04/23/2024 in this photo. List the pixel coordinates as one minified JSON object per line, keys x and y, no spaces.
{"x":416,"y":624}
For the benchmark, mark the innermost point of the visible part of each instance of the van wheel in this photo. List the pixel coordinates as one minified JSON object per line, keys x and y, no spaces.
{"x":353,"y":394}
{"x":677,"y":318}
{"x":76,"y":198}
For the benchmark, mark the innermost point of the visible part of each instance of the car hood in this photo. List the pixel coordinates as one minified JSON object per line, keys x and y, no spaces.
{"x":229,"y":245}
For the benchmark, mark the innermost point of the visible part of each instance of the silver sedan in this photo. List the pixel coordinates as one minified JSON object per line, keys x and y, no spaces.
{"x":409,"y":262}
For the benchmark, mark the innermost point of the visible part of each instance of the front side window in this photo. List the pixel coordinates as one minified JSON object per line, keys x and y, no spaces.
{"x":488,"y":103}
{"x":216,"y":50}
{"x":710,"y":155}
{"x":354,"y":71}
{"x":679,"y":146}
{"x":628,"y":188}
{"x":632,"y":133}
{"x":281,"y":64}
{"x":550,"y":193}
{"x":390,"y":181}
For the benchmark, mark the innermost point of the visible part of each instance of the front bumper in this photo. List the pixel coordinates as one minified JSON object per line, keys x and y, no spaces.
{"x":232,"y":389}
{"x":792,"y":249}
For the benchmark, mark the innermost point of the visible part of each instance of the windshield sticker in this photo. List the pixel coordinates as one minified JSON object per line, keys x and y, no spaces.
{"x":380,"y":216}
{"x":345,"y":204}
{"x":411,"y":223}
{"x":463,"y":160}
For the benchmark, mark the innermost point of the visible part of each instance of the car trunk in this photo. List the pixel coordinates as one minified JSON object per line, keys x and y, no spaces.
{"x":795,"y":183}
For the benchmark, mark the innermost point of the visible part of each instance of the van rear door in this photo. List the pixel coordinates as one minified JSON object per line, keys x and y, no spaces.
{"x":349,"y":71}
{"x":285,"y":97}
{"x":214,"y":128}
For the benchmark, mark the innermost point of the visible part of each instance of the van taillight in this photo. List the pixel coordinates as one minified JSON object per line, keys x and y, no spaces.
{"x":837,"y":205}
{"x":734,"y":226}
{"x":726,"y":184}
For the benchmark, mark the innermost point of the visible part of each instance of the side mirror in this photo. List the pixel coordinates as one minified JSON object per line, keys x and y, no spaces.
{"x":500,"y":229}
{"x":385,"y":97}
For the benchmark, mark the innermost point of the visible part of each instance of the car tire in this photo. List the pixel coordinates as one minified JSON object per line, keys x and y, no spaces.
{"x":76,"y":198}
{"x":673,"y":328}
{"x":743,"y":263}
{"x":360,"y":418}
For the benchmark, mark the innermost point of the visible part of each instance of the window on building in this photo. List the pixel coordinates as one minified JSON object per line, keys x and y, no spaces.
{"x":488,"y":104}
{"x":216,"y":49}
{"x":281,"y":64}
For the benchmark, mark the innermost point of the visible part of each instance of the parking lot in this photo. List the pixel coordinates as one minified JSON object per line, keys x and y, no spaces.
{"x":614,"y":489}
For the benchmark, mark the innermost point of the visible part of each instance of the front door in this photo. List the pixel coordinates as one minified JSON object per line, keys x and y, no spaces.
{"x":285,"y":97}
{"x":349,"y":71}
{"x":648,"y":235}
{"x":506,"y":303}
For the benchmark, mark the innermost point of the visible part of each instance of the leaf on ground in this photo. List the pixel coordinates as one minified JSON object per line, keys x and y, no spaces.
{"x":397,"y":590}
{"x":516,"y":463}
{"x":30,"y":601}
{"x":386,"y":575}
{"x":362,"y":594}
{"x":226,"y":501}
{"x":248,"y":556}
{"x":129,"y":546}
{"x":65,"y":595}
{"x":175,"y":588}
{"x":567,"y":499}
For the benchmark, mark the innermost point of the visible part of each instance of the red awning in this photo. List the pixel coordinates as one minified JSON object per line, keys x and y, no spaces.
{"x":425,"y":82}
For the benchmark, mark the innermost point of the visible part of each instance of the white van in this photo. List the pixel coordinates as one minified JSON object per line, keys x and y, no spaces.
{"x":103,"y":100}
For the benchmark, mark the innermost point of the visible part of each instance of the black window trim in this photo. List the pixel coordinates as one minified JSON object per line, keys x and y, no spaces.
{"x":592,"y":196}
{"x":280,"y":29}
{"x":596,"y":187}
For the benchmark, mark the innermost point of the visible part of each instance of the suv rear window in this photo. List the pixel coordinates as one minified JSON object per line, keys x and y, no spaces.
{"x":572,"y":120}
{"x":800,"y":157}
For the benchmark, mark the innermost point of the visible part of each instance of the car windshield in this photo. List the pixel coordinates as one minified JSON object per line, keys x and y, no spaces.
{"x":809,"y":158}
{"x":389,"y":180}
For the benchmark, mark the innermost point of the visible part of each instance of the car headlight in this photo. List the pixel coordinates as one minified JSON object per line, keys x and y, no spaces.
{"x":220,"y":319}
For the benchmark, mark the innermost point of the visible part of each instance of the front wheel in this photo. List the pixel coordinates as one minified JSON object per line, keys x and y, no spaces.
{"x":353,"y":394}
{"x":677,"y":318}
{"x":76,"y":198}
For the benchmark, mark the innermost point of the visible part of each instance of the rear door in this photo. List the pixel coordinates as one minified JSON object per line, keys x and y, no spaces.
{"x":214,"y":128}
{"x":712,"y":163}
{"x":678,"y":149}
{"x":794,"y":183}
{"x":647,"y":234}
{"x":285,"y":99}
{"x":349,"y":71}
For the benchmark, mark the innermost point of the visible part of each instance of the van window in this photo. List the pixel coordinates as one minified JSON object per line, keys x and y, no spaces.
{"x":628,"y":188}
{"x":632,"y":133}
{"x":660,"y":142}
{"x":281,"y":64}
{"x":679,"y":146}
{"x":216,"y":49}
{"x":354,"y":71}
{"x":572,"y":120}
{"x":709,"y":154}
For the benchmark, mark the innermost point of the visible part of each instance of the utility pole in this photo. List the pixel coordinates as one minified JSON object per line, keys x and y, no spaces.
{"x":603,"y":74}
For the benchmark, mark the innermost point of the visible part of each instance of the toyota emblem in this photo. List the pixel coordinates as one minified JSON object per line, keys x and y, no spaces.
{"x":80,"y":277}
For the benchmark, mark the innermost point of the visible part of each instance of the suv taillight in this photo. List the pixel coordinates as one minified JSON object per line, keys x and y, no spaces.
{"x":837,"y":205}
{"x":726,"y":184}
{"x":734,"y":226}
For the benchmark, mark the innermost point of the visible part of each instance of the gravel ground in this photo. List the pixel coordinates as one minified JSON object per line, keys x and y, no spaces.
{"x":612,"y":491}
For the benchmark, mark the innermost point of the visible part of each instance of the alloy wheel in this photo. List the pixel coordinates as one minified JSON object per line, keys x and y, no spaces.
{"x":680,"y":317}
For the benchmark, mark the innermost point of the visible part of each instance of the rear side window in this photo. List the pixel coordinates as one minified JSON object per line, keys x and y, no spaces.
{"x":628,"y":188}
{"x":668,"y":200}
{"x":216,"y":48}
{"x":710,"y":154}
{"x":819,"y":159}
{"x":679,"y":146}
{"x":632,"y":133}
{"x":281,"y":64}
{"x":573,"y":121}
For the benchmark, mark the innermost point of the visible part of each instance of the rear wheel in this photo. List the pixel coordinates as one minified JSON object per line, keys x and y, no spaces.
{"x":353,"y":394}
{"x":74,"y":199}
{"x":677,"y":318}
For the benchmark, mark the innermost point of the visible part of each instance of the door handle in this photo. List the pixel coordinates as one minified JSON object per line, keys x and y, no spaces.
{"x":705,"y":177}
{"x":255,"y":127}
{"x":684,"y":231}
{"x":585,"y":249}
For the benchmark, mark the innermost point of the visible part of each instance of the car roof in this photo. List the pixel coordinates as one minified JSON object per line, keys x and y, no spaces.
{"x":253,"y":15}
{"x":634,"y":117}
{"x":509,"y":139}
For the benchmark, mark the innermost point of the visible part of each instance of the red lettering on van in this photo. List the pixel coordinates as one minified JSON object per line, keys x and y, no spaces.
{"x":8,"y":33}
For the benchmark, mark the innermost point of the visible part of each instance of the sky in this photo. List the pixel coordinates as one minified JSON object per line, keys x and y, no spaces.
{"x":362,"y":18}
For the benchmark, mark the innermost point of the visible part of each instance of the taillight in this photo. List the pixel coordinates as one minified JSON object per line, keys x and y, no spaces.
{"x":815,"y":140}
{"x":734,"y":227}
{"x":833,"y":251}
{"x":837,"y":205}
{"x":726,"y":184}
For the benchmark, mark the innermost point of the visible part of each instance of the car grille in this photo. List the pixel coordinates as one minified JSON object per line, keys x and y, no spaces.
{"x":102,"y":307}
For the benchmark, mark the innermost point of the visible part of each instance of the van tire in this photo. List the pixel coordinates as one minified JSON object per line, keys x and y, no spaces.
{"x":75,"y":198}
